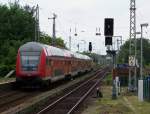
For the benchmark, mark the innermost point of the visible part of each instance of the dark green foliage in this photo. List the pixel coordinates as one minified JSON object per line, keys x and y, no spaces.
{"x":124,"y":52}
{"x":44,"y":38}
{"x":4,"y":69}
{"x":60,"y":43}
{"x":96,"y":57}
{"x":17,"y":26}
{"x":16,"y":23}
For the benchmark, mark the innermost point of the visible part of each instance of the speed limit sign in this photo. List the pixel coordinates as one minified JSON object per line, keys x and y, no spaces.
{"x":131,"y":61}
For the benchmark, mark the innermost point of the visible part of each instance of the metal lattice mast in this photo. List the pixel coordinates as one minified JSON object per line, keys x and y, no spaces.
{"x":132,"y":38}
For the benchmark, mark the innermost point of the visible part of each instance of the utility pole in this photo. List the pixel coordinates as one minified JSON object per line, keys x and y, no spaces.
{"x":84,"y":45}
{"x":117,"y":45}
{"x":37,"y":28}
{"x":98,"y":33}
{"x":70,"y":40}
{"x":141,"y":68}
{"x":132,"y":36}
{"x":121,"y":40}
{"x":78,"y":46}
{"x":17,"y":2}
{"x":54,"y":28}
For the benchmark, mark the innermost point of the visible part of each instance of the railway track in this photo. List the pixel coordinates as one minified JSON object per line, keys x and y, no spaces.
{"x":69,"y":103}
{"x":14,"y":98}
{"x":11,"y":98}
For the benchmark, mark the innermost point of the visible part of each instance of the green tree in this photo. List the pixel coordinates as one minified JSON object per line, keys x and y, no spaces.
{"x":124,"y":52}
{"x":60,"y":43}
{"x":46,"y":39}
{"x":16,"y":23}
{"x":17,"y":26}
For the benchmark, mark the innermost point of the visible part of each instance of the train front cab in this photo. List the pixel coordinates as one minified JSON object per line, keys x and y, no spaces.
{"x":30,"y":67}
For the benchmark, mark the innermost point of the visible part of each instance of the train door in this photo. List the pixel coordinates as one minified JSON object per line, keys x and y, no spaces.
{"x":67,"y":65}
{"x":48,"y":66}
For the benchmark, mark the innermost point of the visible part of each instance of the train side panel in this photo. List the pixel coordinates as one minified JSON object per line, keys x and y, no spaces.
{"x":43,"y":62}
{"x":42,"y":65}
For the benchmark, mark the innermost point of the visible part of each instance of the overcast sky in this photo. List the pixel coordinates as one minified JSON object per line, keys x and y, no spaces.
{"x":86,"y":15}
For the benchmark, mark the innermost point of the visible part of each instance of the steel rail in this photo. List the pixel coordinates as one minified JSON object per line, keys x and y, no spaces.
{"x":85,"y":96}
{"x":63,"y":97}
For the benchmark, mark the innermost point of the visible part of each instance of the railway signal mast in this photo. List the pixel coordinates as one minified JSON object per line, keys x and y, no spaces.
{"x":109,"y":32}
{"x":90,"y":47}
{"x":54,"y":28}
{"x":132,"y":45}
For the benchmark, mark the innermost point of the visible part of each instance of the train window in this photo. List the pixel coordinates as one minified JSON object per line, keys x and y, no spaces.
{"x":69,"y":62}
{"x":52,"y":63}
{"x":66,"y":62}
{"x":48,"y":62}
{"x":29,"y":63}
{"x":30,"y":53}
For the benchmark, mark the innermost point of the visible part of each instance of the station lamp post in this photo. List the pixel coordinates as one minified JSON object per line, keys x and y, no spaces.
{"x":141,"y":68}
{"x":135,"y":62}
{"x":84,"y":44}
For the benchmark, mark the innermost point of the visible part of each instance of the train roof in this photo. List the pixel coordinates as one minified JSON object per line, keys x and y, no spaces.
{"x":52,"y":51}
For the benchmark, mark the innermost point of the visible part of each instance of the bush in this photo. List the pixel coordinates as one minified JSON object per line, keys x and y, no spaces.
{"x":4,"y":69}
{"x":108,"y":79}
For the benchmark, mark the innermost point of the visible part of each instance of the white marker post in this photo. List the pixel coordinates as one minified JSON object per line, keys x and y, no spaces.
{"x":140,"y":90}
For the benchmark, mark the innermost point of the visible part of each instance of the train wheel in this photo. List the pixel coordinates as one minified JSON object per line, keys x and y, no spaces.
{"x":45,"y":85}
{"x":49,"y":83}
{"x":68,"y":77}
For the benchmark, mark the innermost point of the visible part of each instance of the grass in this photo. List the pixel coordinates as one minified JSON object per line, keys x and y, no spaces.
{"x":108,"y":79}
{"x":141,"y":107}
{"x":108,"y":106}
{"x":124,"y":104}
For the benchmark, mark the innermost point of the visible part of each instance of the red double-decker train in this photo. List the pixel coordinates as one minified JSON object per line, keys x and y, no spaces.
{"x":39,"y":63}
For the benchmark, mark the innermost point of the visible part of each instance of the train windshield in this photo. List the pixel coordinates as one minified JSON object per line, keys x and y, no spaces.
{"x":30,"y":61}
